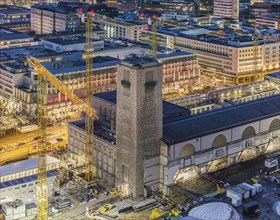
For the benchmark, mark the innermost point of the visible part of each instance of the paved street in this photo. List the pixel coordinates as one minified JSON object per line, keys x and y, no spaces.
{"x":78,"y":213}
{"x":22,"y":145}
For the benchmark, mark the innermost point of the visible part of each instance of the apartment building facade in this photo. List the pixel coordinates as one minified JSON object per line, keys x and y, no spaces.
{"x":226,"y":8}
{"x":46,"y":19}
{"x":232,"y":58}
{"x":129,"y":30}
{"x":10,"y":39}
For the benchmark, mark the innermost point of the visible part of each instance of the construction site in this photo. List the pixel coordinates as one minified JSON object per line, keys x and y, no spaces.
{"x":132,"y":155}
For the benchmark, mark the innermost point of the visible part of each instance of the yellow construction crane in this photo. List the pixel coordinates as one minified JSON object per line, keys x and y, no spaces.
{"x":45,"y":76}
{"x":88,"y":121}
{"x":154,"y":37}
{"x":258,"y":75}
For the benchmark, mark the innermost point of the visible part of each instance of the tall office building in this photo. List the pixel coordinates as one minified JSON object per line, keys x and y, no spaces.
{"x":226,"y":8}
{"x":139,"y":120}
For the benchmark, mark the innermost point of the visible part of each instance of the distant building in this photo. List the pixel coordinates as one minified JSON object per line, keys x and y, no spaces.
{"x":270,"y":22}
{"x":11,"y":39}
{"x":122,"y":29}
{"x":47,"y":19}
{"x":226,"y":8}
{"x":257,"y":9}
{"x":206,"y":5}
{"x":123,"y":4}
{"x":185,"y":6}
{"x":71,"y":44}
{"x":15,"y":18}
{"x":230,"y":58}
{"x":11,"y":75}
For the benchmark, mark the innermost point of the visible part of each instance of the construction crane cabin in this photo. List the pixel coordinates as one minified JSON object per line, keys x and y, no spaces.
{"x":44,"y":77}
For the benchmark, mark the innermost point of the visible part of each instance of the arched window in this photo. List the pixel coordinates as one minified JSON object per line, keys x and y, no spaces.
{"x":274,"y":125}
{"x":248,"y":133}
{"x":187,"y":150}
{"x":219,"y":141}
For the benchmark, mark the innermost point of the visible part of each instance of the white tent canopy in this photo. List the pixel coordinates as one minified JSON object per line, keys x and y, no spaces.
{"x":214,"y":211}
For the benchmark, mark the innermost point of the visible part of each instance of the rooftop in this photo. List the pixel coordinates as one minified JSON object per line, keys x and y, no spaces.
{"x":61,"y":67}
{"x":24,"y":165}
{"x":69,"y":40}
{"x":274,"y":75}
{"x":174,"y":54}
{"x":108,"y":96}
{"x":55,"y":8}
{"x":14,"y":36}
{"x":23,"y":180}
{"x":139,"y":62}
{"x":170,"y":111}
{"x":15,"y":67}
{"x":13,"y":10}
{"x":214,"y":121}
{"x":15,"y":53}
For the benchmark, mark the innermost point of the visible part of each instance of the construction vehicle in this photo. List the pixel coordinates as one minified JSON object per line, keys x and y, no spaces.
{"x":175,"y":213}
{"x":255,"y":179}
{"x":105,"y":208}
{"x":157,"y":213}
{"x":113,"y":191}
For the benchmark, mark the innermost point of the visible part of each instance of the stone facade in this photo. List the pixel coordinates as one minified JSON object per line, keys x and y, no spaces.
{"x":139,"y":121}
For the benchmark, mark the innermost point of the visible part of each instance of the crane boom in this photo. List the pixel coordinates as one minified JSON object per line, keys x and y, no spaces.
{"x":42,"y":71}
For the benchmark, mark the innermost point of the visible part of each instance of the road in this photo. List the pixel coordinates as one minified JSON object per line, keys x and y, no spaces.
{"x":78,"y":213}
{"x":21,"y":146}
{"x":22,"y":137}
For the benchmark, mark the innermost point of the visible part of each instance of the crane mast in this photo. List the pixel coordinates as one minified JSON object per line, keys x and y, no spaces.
{"x":154,"y":37}
{"x":255,"y":44}
{"x":88,"y":121}
{"x":258,"y":75}
{"x":42,"y":185}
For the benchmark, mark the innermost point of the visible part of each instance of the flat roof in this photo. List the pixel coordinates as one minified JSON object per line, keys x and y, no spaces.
{"x":79,"y":65}
{"x":24,"y":165}
{"x":219,"y":120}
{"x":13,"y":11}
{"x":14,"y":53}
{"x":174,"y":54}
{"x":14,"y":36}
{"x":139,"y":62}
{"x":108,"y":96}
{"x":70,"y":40}
{"x":274,"y":75}
{"x":23,"y":180}
{"x":170,"y":111}
{"x":19,"y":67}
